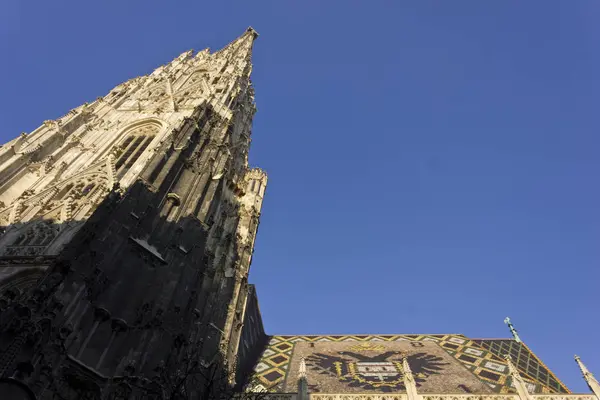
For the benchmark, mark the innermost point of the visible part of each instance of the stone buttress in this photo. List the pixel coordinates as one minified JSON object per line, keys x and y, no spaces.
{"x":146,"y":207}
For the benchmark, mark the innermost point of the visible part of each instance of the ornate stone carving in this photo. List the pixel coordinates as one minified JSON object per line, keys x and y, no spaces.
{"x":34,"y":240}
{"x":76,"y":172}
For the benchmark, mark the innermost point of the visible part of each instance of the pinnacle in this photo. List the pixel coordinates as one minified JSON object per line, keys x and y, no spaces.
{"x":242,"y":41}
{"x":239,"y":51}
{"x":252,"y":31}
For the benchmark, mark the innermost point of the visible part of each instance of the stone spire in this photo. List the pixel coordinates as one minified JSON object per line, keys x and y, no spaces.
{"x":589,"y":377}
{"x":239,"y":52}
{"x":302,"y":382}
{"x":409,"y":380}
{"x":230,"y":76}
{"x":518,"y":381}
{"x":158,"y":209}
{"x":241,"y":45}
{"x":513,"y":331}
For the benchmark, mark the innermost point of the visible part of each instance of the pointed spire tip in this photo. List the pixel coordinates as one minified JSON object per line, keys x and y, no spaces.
{"x":589,"y":378}
{"x":513,"y":331}
{"x":252,"y":31}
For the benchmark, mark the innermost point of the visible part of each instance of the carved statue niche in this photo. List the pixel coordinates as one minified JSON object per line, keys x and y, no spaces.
{"x":34,"y":240}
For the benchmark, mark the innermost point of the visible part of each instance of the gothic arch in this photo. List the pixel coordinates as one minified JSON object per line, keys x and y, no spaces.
{"x":132,"y":146}
{"x":157,"y":92}
{"x":132,"y":141}
{"x":18,"y":280}
{"x":69,"y":199}
{"x":192,"y":78}
{"x":80,"y":186}
{"x":123,"y":132}
{"x":150,"y":96}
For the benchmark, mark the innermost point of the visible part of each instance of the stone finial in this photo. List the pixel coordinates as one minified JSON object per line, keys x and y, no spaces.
{"x":302,"y":370}
{"x":517,"y":380}
{"x":513,"y":331}
{"x":302,"y":381}
{"x":409,"y":380}
{"x":252,"y":31}
{"x":589,"y":377}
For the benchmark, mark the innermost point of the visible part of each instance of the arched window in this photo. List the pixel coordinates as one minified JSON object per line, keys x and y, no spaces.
{"x":18,"y":280}
{"x":133,"y":146}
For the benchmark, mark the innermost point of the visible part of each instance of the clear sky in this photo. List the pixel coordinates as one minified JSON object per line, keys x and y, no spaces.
{"x":433,"y":165}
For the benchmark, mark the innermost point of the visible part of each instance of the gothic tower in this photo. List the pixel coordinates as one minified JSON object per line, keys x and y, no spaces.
{"x":128,"y":228}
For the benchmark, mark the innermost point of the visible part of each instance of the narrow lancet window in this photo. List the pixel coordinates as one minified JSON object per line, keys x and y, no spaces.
{"x":134,"y":145}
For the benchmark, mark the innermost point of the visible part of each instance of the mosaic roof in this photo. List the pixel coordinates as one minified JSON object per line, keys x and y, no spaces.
{"x":529,"y":365}
{"x":441,"y":363}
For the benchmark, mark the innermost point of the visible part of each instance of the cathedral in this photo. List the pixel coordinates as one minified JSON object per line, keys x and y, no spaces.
{"x":127,"y":228}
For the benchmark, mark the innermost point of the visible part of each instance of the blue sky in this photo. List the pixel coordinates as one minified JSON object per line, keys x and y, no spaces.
{"x":433,"y":165}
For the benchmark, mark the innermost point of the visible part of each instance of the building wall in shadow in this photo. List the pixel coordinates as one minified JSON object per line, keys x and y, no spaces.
{"x":153,"y":277}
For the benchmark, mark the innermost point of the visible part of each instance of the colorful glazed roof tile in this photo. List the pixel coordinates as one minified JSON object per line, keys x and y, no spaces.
{"x":449,"y":363}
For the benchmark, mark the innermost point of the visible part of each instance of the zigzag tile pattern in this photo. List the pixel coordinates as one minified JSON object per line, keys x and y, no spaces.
{"x":482,"y":357}
{"x":530,"y":367}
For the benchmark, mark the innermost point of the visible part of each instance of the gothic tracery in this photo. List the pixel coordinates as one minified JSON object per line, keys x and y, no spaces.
{"x":149,"y":186}
{"x":132,"y":147}
{"x":33,"y":240}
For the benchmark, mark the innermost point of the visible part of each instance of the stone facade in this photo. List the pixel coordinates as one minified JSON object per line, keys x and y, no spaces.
{"x":128,"y":228}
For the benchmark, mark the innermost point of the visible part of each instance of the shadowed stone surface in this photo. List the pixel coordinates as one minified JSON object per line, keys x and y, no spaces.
{"x":128,"y":227}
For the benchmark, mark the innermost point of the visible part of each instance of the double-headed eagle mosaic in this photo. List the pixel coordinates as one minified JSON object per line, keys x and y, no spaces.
{"x":381,"y":372}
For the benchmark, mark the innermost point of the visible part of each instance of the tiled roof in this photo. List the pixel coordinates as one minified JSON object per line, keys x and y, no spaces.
{"x":459,"y":359}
